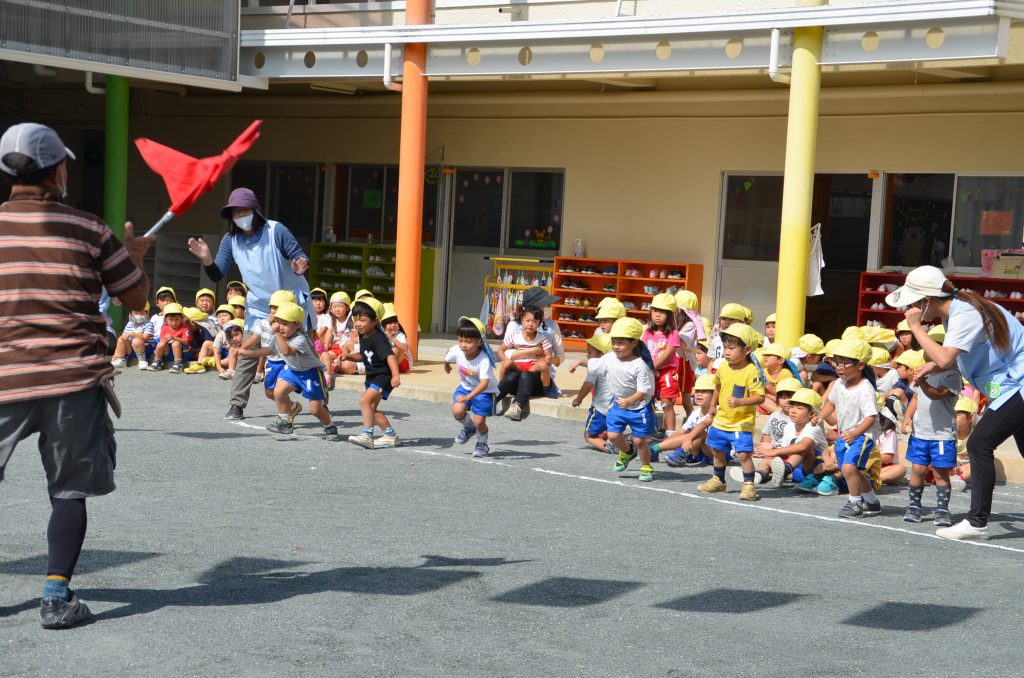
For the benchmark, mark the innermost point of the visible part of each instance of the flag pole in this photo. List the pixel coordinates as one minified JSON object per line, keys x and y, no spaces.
{"x":168,"y":215}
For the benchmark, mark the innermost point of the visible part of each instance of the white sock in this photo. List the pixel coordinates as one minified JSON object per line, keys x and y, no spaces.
{"x":869,"y":497}
{"x":855,"y":499}
{"x":466,"y":421}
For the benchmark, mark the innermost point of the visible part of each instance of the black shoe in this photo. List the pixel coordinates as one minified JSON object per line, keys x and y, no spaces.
{"x":63,"y":614}
{"x":234,"y":412}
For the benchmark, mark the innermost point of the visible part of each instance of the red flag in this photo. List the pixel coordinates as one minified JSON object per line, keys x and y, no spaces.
{"x":186,"y":177}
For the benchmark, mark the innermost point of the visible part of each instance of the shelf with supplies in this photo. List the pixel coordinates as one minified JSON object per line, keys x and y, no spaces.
{"x":583,"y":282}
{"x":874,"y":286}
{"x":504,"y":287}
{"x":349,"y":267}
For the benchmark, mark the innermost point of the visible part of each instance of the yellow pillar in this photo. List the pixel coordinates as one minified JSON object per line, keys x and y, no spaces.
{"x":798,"y":183}
{"x":412,"y":156}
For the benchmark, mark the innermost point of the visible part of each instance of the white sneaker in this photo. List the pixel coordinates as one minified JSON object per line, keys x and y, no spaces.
{"x":957,"y":483}
{"x":778,"y":472}
{"x":118,"y":363}
{"x":362,"y":440}
{"x":963,"y":530}
{"x":143,"y":365}
{"x":736,"y":473}
{"x":386,"y":441}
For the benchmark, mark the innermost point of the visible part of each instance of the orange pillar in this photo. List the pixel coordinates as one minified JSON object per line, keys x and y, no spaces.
{"x":412,"y":156}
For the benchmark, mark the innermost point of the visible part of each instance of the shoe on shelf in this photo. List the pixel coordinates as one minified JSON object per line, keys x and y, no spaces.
{"x":778,"y":472}
{"x":624,"y":458}
{"x":852,"y":509}
{"x":481,"y":450}
{"x":808,"y":484}
{"x":362,"y":440}
{"x":384,"y":440}
{"x":118,"y":363}
{"x":913,"y":514}
{"x":827,"y":487}
{"x":962,"y":531}
{"x":177,"y":368}
{"x":942,"y":518}
{"x":63,"y":614}
{"x":331,"y":433}
{"x":465,"y":433}
{"x":712,"y":484}
{"x":234,"y":412}
{"x":646,"y":474}
{"x":872,"y":508}
{"x":279,"y":425}
{"x":749,"y":492}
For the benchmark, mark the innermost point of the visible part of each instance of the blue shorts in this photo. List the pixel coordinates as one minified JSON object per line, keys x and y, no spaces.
{"x":936,"y":453}
{"x":310,"y":383}
{"x":223,"y":353}
{"x":482,"y":405}
{"x":858,"y":452}
{"x":384,"y":392}
{"x":596,"y":423}
{"x":730,"y":441}
{"x":271,"y":371}
{"x":640,"y":422}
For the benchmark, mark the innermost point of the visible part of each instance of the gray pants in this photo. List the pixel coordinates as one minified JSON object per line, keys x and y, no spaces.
{"x":245,"y":374}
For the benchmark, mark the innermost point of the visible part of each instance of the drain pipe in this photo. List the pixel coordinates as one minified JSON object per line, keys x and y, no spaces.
{"x":389,"y":84}
{"x":773,"y":59}
{"x":91,"y":88}
{"x":618,"y":8}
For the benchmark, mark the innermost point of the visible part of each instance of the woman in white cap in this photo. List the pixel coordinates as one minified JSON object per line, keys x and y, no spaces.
{"x":987,"y":343}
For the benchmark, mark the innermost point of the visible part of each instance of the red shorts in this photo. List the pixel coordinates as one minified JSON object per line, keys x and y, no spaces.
{"x":335,"y":351}
{"x":525,"y":365}
{"x":403,"y":366}
{"x":686,"y":376}
{"x":667,"y":387}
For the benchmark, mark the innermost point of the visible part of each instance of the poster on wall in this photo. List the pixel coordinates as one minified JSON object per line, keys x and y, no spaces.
{"x":994,"y":222}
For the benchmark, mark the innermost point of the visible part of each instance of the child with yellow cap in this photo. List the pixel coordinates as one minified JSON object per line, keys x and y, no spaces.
{"x":769,"y":330}
{"x":595,"y":431}
{"x":777,"y":367}
{"x":236,"y":288}
{"x":175,"y":338}
{"x":689,"y":441}
{"x":966,"y":412}
{"x":396,"y":334}
{"x":662,"y":341}
{"x":381,"y":368}
{"x":803,"y":443}
{"x":262,"y":345}
{"x":135,"y":337}
{"x":741,"y":390}
{"x":476,"y":395}
{"x":691,"y":330}
{"x":772,"y":433}
{"x":338,"y":336}
{"x":206,"y":300}
{"x":730,"y":313}
{"x":164,"y":295}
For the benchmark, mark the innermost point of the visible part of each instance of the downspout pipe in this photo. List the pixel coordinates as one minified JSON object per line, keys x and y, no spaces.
{"x":389,"y":83}
{"x":773,"y":59}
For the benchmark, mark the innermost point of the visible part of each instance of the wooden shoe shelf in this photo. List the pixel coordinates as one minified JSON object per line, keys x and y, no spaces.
{"x":598,"y":274}
{"x":872,"y":295}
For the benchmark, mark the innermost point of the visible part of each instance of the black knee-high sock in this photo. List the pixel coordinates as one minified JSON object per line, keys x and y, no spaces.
{"x":65,"y":535}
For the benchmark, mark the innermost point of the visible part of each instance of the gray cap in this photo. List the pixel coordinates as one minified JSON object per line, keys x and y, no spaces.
{"x":30,"y":147}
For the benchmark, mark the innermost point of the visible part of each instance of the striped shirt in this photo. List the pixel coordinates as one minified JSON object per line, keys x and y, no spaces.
{"x":54,"y":263}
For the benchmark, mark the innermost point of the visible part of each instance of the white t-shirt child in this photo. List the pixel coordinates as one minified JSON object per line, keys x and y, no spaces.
{"x":472,"y":372}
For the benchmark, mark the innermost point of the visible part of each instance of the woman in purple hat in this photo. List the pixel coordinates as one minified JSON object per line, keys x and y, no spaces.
{"x":269,"y":258}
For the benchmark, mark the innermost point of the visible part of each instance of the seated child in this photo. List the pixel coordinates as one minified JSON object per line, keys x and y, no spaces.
{"x":396,"y":335}
{"x":702,"y":355}
{"x":206,"y":300}
{"x":164,"y":296}
{"x":800,"y":455}
{"x":236,"y":288}
{"x":221,"y":353}
{"x":136,"y":336}
{"x":904,"y":339}
{"x":595,"y":432}
{"x":689,"y":441}
{"x":769,"y":330}
{"x":885,"y":376}
{"x":891,"y":412}
{"x":238,"y":304}
{"x":906,"y":363}
{"x":301,"y":372}
{"x":771,"y":435}
{"x":381,"y":366}
{"x":966,"y":412}
{"x":318,"y":296}
{"x":225,"y":314}
{"x":691,"y":330}
{"x":175,"y":338}
{"x":811,"y":354}
{"x":776,"y":367}
{"x":338,"y":337}
{"x":474,"y":399}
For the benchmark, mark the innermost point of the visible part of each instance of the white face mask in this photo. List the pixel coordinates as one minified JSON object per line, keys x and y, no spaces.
{"x":244,"y":223}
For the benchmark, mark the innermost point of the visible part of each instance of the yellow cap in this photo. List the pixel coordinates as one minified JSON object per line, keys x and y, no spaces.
{"x":363,"y":293}
{"x":744,"y":333}
{"x":239,"y":283}
{"x":967,"y":405}
{"x":734,"y":311}
{"x":290,"y":311}
{"x":705,"y":382}
{"x":748,"y":316}
{"x":857,"y":349}
{"x":707,"y":326}
{"x":225,"y":308}
{"x":194,"y":314}
{"x":601,"y":342}
{"x":806,"y":396}
{"x":389,"y":312}
{"x":237,"y":300}
{"x":611,"y":311}
{"x":770,"y":318}
{"x":911,"y":359}
{"x":341,"y":298}
{"x":811,"y":344}
{"x":703,"y":343}
{"x":778,"y":350}
{"x":686,"y":300}
{"x":664,"y":302}
{"x":320,"y":290}
{"x":880,"y":336}
{"x":830,"y":347}
{"x":282,"y":297}
{"x":605,"y":301}
{"x":937,"y":333}
{"x":173,"y":308}
{"x":476,"y":323}
{"x":375,"y":306}
{"x":903,"y":326}
{"x":879,"y":357}
{"x":627,"y":328}
{"x":853,"y":332}
{"x":237,"y":322}
{"x":207,"y":292}
{"x":788,"y":385}
{"x":169,"y":290}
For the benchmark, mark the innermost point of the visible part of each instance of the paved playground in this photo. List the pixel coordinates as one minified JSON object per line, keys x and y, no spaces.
{"x":231,"y":551}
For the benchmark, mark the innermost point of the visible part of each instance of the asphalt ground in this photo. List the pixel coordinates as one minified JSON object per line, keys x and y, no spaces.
{"x":227,"y":550}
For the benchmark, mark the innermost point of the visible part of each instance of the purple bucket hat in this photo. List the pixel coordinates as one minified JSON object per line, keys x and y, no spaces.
{"x":240,"y":197}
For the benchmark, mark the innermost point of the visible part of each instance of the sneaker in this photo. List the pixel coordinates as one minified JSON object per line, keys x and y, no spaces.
{"x":749,"y":492}
{"x":553,"y":391}
{"x":384,"y":440}
{"x":872,"y":508}
{"x":646,"y":474}
{"x":296,"y":408}
{"x":827,"y":487}
{"x":712,"y":484}
{"x":464,"y":435}
{"x":808,"y":484}
{"x":210,"y":363}
{"x":624,"y":458}
{"x":676,"y":458}
{"x":852,"y":509}
{"x":503,"y":406}
{"x":942,"y":518}
{"x":227,"y":374}
{"x":362,"y":440}
{"x":177,"y":368}
{"x":155,"y":366}
{"x":654,"y":457}
{"x":195,"y":368}
{"x":610,"y":447}
{"x":234,"y":412}
{"x":957,"y":484}
{"x":279,"y":425}
{"x":696,"y":460}
{"x":481,"y":450}
{"x":913,"y":514}
{"x":143,"y":365}
{"x":963,"y":530}
{"x":778,"y":472}
{"x":736,"y":473}
{"x":118,"y":363}
{"x":331,"y":433}
{"x":63,"y":614}
{"x":515,"y":412}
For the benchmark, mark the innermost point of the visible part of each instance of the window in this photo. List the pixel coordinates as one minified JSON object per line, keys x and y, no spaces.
{"x":989,"y":215}
{"x":295,"y":200}
{"x":365,"y":203}
{"x":430,"y":188}
{"x":535,"y":210}
{"x":920,"y":207}
{"x":753,"y":214}
{"x":478,"y":205}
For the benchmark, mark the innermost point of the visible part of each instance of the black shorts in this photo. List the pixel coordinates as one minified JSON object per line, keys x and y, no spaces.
{"x":76,"y":441}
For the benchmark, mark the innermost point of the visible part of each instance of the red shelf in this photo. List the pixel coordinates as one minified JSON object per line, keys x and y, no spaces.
{"x":870,"y":294}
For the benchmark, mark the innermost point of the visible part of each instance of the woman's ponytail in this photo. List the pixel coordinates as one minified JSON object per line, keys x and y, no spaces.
{"x":992,"y":317}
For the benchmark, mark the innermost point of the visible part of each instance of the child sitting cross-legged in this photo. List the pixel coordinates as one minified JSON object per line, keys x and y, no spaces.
{"x":689,"y":442}
{"x":595,"y":431}
{"x":800,"y":456}
{"x":137,"y":334}
{"x":474,"y":399}
{"x":175,"y":339}
{"x":772,"y":437}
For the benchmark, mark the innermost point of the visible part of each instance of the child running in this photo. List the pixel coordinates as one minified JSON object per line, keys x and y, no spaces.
{"x":301,"y":372}
{"x":381,"y":373}
{"x":264,"y":334}
{"x":741,"y":390}
{"x":474,"y":398}
{"x":629,"y":371}
{"x":595,"y":431}
{"x":852,"y":405}
{"x":662,"y":341}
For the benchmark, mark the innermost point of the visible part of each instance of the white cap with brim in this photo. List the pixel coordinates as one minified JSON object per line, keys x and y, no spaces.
{"x":29,"y":147}
{"x":923,"y":281}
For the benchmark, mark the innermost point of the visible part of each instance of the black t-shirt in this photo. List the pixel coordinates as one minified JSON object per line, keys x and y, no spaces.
{"x":376,"y":348}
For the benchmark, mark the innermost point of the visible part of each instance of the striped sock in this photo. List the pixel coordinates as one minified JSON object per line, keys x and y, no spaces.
{"x":368,"y":432}
{"x":56,"y":588}
{"x":390,"y":431}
